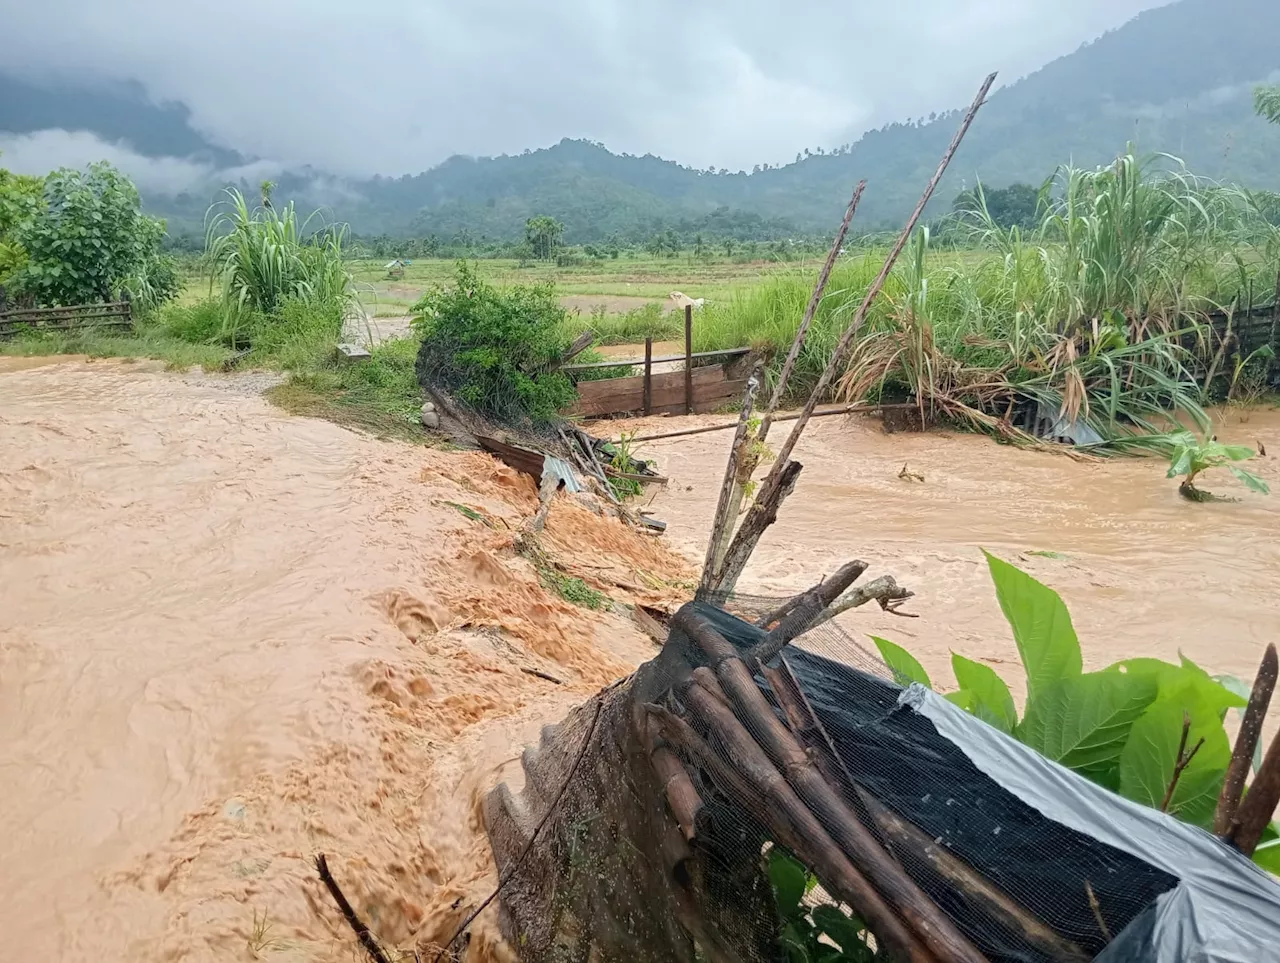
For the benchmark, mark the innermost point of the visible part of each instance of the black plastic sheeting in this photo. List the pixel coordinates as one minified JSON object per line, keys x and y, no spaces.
{"x":1167,"y":892}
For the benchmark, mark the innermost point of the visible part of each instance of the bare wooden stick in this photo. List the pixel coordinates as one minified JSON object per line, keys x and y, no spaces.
{"x":884,"y":590}
{"x":745,"y":774}
{"x":792,"y":602}
{"x":1097,"y":910}
{"x":842,"y":410}
{"x":1259,"y":804}
{"x":1181,"y":761}
{"x":1255,"y":713}
{"x":837,"y":360}
{"x":682,"y":798}
{"x":353,"y":920}
{"x":763,"y":513}
{"x":925,"y":919}
{"x":722,"y":525}
{"x":799,"y":617}
{"x":815,"y":299}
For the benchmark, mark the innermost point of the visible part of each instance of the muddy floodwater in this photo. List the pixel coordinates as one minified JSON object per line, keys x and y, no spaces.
{"x":231,"y":639}
{"x":1143,"y":571}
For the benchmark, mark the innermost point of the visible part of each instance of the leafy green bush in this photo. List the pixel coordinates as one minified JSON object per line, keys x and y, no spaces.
{"x":86,"y":237}
{"x":492,"y":347}
{"x":1119,"y":727}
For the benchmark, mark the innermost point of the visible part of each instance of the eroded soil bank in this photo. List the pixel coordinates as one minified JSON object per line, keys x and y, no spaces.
{"x":231,"y":639}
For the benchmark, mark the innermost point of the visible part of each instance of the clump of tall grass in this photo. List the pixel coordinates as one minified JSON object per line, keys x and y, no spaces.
{"x":1098,"y":313}
{"x":262,"y":259}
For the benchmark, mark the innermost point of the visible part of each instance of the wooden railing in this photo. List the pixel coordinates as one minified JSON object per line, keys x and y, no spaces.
{"x":114,"y":314}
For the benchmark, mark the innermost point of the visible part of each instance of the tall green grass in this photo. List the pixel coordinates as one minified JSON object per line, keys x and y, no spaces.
{"x":262,"y":260}
{"x":1097,"y":313}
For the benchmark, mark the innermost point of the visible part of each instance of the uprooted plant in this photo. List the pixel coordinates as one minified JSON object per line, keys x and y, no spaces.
{"x":1128,"y":727}
{"x":1190,"y":457}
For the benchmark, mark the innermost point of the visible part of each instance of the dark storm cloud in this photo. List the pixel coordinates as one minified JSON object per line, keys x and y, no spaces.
{"x":395,"y":86}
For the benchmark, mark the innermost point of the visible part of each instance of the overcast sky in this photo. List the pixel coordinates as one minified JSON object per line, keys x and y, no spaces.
{"x":396,"y":86}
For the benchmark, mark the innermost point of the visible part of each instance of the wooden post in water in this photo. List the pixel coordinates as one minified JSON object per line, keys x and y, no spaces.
{"x":688,"y":359}
{"x":648,"y":375}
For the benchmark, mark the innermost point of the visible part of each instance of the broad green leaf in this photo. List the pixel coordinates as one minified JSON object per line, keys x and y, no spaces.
{"x":962,"y":698}
{"x":989,"y":699}
{"x":1148,"y":760}
{"x":1041,"y":626}
{"x":1268,"y":857}
{"x":842,"y":929}
{"x":904,"y":665}
{"x":1083,"y":721}
{"x":1181,"y":463}
{"x":789,"y":879}
{"x":1237,"y":452}
{"x":1251,"y":481}
{"x":1171,"y":679}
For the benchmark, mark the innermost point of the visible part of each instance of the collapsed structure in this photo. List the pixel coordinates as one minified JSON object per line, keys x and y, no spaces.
{"x":648,"y":817}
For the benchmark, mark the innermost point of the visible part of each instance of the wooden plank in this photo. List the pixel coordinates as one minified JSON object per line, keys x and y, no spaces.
{"x":70,"y":309}
{"x":707,"y":399}
{"x":8,"y":329}
{"x":619,"y":395}
{"x":662,"y":359}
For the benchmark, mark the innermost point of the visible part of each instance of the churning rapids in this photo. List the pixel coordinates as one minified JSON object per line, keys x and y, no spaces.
{"x":230,"y":639}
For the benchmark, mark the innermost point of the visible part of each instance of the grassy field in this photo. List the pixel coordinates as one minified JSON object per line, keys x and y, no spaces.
{"x":619,"y":285}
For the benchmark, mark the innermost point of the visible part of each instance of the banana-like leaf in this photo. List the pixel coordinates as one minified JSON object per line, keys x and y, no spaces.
{"x":1041,"y":626}
{"x":988,"y":696}
{"x":903,"y":664}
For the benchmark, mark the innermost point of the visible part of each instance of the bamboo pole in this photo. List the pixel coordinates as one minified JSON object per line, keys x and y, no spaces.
{"x":722,"y":524}
{"x":750,"y":536}
{"x":925,"y":919}
{"x":746,"y":776}
{"x":814,"y":300}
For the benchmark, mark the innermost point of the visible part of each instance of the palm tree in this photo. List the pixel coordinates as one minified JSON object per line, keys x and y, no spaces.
{"x":1266,"y":100}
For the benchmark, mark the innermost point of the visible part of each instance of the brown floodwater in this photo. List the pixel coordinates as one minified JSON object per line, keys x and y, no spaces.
{"x":231,"y":639}
{"x":1143,"y":571}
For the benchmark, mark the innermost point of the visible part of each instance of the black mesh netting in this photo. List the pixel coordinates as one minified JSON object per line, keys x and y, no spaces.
{"x":810,"y":809}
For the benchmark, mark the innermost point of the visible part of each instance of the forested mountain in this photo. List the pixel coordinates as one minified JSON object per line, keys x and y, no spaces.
{"x":1176,"y":79}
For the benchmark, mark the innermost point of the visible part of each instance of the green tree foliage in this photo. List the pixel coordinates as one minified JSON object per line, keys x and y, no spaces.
{"x":1017,"y":205}
{"x":20,"y":199}
{"x":1119,"y":727}
{"x":820,"y":933}
{"x":87,"y":237}
{"x":492,"y":347}
{"x":544,"y":234}
{"x":1266,"y":101}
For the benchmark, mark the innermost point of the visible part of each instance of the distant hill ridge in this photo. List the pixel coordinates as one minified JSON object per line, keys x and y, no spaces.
{"x":1176,"y":79}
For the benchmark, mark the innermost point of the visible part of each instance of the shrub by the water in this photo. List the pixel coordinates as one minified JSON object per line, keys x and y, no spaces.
{"x":492,"y":348}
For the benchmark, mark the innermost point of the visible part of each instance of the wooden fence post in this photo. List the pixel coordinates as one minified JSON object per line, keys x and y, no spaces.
{"x":648,"y":375}
{"x":688,"y":359}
